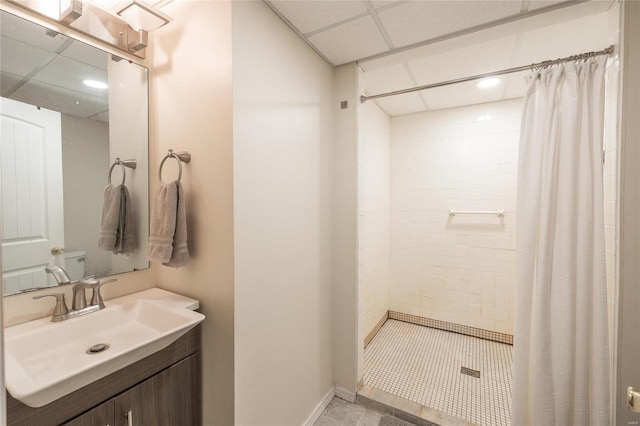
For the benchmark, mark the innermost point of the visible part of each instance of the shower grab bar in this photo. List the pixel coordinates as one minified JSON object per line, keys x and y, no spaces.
{"x":499,"y":212}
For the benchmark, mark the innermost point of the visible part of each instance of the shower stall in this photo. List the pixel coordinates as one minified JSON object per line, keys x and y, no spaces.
{"x":438,"y":174}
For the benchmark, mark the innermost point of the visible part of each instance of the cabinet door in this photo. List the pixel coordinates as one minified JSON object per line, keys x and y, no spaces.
{"x":170,"y":398}
{"x":102,"y":415}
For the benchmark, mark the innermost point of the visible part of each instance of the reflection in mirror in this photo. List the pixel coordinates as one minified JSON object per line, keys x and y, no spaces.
{"x":68,"y":111}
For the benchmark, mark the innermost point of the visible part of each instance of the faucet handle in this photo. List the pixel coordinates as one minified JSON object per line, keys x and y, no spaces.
{"x":96,"y":298}
{"x":61,"y":306}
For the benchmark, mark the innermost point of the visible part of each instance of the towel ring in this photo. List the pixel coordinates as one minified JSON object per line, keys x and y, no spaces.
{"x":131,"y":163}
{"x":181,"y":157}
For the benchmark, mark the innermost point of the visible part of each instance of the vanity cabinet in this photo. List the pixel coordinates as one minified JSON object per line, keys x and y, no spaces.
{"x":169,"y":398}
{"x":103,"y":414}
{"x":162,"y":389}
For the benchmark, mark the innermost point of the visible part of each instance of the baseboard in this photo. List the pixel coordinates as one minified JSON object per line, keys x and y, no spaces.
{"x":317,"y":412}
{"x":345,"y":394}
{"x":376,"y":328}
{"x":453,"y":327}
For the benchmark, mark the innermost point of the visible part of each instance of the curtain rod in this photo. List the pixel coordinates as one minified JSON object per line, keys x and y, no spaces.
{"x":544,"y":64}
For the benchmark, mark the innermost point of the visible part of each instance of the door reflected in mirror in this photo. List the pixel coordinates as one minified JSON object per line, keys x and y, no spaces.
{"x":68,"y":111}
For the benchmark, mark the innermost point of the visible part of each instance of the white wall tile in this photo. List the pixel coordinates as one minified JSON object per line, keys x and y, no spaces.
{"x":373,"y":237}
{"x":462,"y":267}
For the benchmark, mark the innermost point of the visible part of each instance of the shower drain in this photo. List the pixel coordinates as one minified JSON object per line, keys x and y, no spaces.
{"x":470,"y":372}
{"x":96,"y":349}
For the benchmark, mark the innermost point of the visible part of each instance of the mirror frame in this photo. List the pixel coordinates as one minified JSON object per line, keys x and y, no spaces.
{"x":35,"y":18}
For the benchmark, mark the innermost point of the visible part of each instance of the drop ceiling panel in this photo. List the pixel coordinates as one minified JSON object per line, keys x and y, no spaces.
{"x":387,"y":79}
{"x":65,"y":72}
{"x":588,"y":33}
{"x":308,"y":16}
{"x":401,"y":104}
{"x":413,"y":22}
{"x":31,"y":34}
{"x":31,"y":58}
{"x":86,"y":54}
{"x":349,"y":42}
{"x":460,"y":94}
{"x":59,"y":99}
{"x":538,"y":4}
{"x":475,"y":59}
{"x":516,"y":85}
{"x":7,"y":82}
{"x":385,"y":3}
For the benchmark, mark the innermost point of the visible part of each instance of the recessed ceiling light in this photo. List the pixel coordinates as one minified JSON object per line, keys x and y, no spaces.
{"x":95,"y":84}
{"x":486,"y":83}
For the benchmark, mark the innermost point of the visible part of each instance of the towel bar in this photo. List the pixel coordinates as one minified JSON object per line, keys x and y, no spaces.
{"x":181,"y":157}
{"x":131,"y":163}
{"x":498,"y":213}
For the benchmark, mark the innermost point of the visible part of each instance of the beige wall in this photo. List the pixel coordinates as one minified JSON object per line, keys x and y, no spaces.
{"x":283,"y":146}
{"x":85,"y":162}
{"x":191,"y":110}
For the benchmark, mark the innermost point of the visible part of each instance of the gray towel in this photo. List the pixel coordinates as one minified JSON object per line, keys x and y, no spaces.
{"x":168,"y":227}
{"x":116,"y":229}
{"x":180,"y":251}
{"x":110,"y":217}
{"x":125,"y":235}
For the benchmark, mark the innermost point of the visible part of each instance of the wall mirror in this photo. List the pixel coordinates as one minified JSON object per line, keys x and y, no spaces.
{"x":68,"y":111}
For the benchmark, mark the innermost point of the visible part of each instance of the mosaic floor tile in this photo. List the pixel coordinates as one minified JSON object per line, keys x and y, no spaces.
{"x":425,"y":365}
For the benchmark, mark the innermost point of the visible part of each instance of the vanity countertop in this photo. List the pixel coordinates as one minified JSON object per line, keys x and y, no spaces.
{"x":45,"y":360}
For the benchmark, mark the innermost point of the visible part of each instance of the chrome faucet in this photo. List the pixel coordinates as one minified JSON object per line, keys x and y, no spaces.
{"x":79,"y":305}
{"x":79,"y":296}
{"x":59,"y":274}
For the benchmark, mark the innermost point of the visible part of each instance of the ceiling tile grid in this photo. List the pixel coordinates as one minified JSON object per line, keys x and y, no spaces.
{"x":362,"y":35}
{"x":451,"y":39}
{"x":309,"y":16}
{"x":324,"y":23}
{"x":413,"y":22}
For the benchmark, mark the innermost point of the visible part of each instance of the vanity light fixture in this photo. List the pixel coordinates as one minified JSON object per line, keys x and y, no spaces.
{"x":142,"y":16}
{"x":125,"y":25}
{"x":95,"y":84}
{"x":70,"y":10}
{"x":488,"y":82}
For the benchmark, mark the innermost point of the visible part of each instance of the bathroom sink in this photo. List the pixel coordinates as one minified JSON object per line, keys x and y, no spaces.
{"x":45,"y":360}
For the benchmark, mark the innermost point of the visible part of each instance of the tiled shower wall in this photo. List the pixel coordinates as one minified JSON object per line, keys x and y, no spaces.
{"x":373,"y":218}
{"x":459,"y":269}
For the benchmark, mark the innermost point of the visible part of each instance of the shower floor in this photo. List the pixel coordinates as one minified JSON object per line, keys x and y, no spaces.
{"x":423,"y":365}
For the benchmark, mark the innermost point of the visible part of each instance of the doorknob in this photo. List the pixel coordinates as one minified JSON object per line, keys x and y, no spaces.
{"x":57,"y":250}
{"x":633,"y":399}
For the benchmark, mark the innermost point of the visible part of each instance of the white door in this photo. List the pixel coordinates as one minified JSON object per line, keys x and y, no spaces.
{"x":31,"y":188}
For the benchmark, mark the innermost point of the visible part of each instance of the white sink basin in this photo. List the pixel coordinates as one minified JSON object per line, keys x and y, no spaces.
{"x":45,"y":360}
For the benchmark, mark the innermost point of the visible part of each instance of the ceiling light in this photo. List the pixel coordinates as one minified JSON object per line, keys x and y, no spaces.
{"x":486,"y":83}
{"x":95,"y":84}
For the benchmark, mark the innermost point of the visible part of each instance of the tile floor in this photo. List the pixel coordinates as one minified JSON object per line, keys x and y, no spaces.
{"x":423,"y":365}
{"x":343,"y":413}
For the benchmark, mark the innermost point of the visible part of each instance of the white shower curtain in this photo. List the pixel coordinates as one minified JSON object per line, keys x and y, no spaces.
{"x":561,"y":354}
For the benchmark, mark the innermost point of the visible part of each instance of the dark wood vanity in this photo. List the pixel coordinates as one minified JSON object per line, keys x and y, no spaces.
{"x":161,"y":389}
